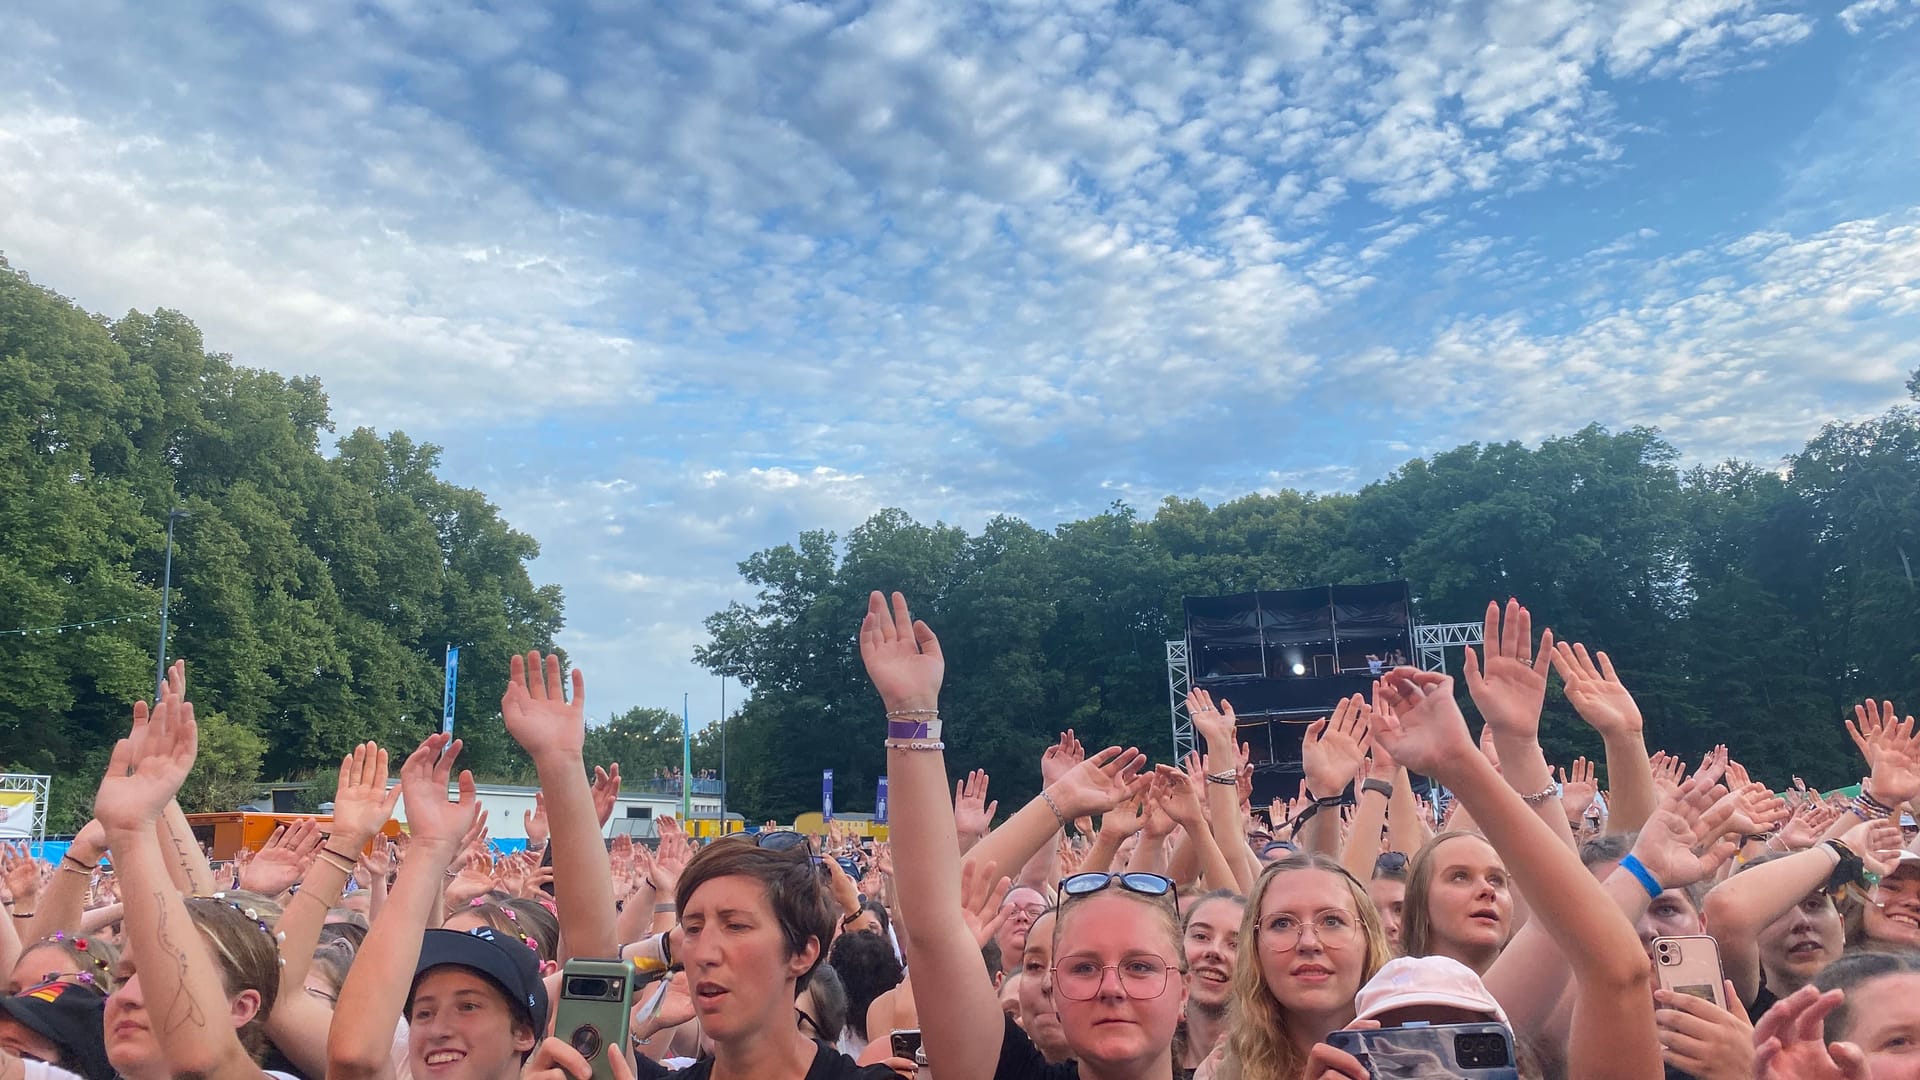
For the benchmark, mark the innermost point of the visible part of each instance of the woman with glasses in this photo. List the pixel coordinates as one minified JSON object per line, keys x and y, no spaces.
{"x":1310,"y":939}
{"x":1117,"y":975}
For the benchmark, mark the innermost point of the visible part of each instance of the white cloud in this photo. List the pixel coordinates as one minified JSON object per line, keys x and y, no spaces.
{"x":1882,"y":15}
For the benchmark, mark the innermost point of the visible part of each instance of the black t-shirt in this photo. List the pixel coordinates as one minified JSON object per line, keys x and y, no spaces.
{"x":828,"y":1064}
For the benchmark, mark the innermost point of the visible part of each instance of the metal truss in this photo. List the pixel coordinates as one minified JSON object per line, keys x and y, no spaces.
{"x":1431,"y":641}
{"x":1179,"y":681}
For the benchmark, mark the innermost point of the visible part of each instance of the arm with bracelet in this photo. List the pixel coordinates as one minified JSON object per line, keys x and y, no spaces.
{"x":361,"y":806}
{"x":63,"y":902}
{"x":1331,"y":753}
{"x":1372,"y":798}
{"x":1509,"y":687}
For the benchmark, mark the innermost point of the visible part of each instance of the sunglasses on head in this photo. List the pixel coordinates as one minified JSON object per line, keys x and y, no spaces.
{"x":788,"y":840}
{"x":1137,"y":882}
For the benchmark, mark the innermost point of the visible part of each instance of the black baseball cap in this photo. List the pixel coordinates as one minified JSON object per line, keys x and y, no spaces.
{"x":504,"y":960}
{"x":69,"y":1015}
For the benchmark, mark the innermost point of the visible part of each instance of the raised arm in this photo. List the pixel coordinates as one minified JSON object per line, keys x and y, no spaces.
{"x":1218,"y":728}
{"x":1362,"y":848}
{"x":1613,"y":1030}
{"x":1179,"y":792}
{"x":553,"y":730}
{"x":962,"y":1026}
{"x":1331,"y":752}
{"x":362,"y":803}
{"x":191,"y":1018}
{"x":1097,"y":785}
{"x":63,"y":903}
{"x":360,"y":1042}
{"x":1597,"y":695}
{"x":1510,"y":688}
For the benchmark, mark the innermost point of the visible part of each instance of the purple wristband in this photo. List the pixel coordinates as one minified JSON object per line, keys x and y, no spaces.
{"x":906,"y":729}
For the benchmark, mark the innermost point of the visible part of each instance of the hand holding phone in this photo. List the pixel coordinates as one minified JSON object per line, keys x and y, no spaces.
{"x":596,"y":998}
{"x":1690,"y":964}
{"x":906,"y":1042}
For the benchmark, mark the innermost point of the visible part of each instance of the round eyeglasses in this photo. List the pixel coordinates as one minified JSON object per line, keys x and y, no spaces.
{"x":1141,"y":977}
{"x":1332,"y":929}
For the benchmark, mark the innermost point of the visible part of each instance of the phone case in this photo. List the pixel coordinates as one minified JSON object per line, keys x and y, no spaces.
{"x":596,"y":999}
{"x":905,"y":1041}
{"x":1481,"y":1051}
{"x":1690,"y":964}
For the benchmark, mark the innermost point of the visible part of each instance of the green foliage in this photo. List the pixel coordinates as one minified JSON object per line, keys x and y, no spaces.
{"x":227,"y":772}
{"x":1741,"y":604}
{"x":313,"y":595}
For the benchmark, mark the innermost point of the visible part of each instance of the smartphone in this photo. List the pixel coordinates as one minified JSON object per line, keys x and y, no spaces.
{"x":1690,"y":964}
{"x":596,"y":998}
{"x":546,"y":862}
{"x":1483,"y":1051}
{"x":906,"y":1042}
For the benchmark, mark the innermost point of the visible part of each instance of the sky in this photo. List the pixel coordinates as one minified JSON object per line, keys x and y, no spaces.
{"x":672,"y":283}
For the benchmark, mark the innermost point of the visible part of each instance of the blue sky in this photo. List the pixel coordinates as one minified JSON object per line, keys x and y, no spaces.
{"x":673,"y":282}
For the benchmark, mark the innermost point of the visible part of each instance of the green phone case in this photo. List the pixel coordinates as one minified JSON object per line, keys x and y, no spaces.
{"x":596,"y":1000}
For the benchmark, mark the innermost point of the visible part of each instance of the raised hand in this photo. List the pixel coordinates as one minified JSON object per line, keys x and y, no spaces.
{"x":148,"y":766}
{"x":1892,"y":751}
{"x":1685,"y":840}
{"x":606,"y":788}
{"x":841,"y":886}
{"x":1509,"y":688}
{"x":983,"y":896}
{"x":1217,"y":725}
{"x":1578,"y":788}
{"x":535,"y":821}
{"x":1754,"y":809}
{"x":1177,"y":793}
{"x":431,"y":817}
{"x":1668,"y":771}
{"x":901,"y":654}
{"x":1595,"y":691}
{"x":1100,"y":783}
{"x":536,"y":710}
{"x":1877,"y":842}
{"x":1702,"y":1039}
{"x":362,"y":801}
{"x":1333,"y":748}
{"x":283,"y":859}
{"x":1789,"y":1042}
{"x":1424,"y":730}
{"x":1060,"y":758}
{"x":972,"y":813}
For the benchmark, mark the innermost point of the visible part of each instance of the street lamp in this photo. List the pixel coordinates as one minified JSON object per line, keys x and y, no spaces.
{"x":166,"y":595}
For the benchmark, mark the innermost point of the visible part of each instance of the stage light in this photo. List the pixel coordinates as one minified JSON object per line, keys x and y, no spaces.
{"x":1299,"y":668}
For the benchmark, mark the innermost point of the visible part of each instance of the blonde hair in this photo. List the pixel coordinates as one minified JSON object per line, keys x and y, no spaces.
{"x":238,"y":927}
{"x":1259,"y":1047}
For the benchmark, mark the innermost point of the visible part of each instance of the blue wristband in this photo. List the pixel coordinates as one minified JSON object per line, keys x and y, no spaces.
{"x":1633,"y":866}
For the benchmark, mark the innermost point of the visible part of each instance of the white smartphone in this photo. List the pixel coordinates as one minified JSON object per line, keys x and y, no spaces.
{"x":1690,"y":964}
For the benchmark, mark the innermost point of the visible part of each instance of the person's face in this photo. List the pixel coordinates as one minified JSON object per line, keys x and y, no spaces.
{"x":1884,"y":1022}
{"x":867,"y":923}
{"x":1037,"y":1013}
{"x":1111,"y":1031}
{"x":1022,"y":907}
{"x":1800,"y":944}
{"x":1469,"y":903}
{"x":1322,"y":971}
{"x":460,"y":1025}
{"x":128,"y":1030}
{"x":1009,"y":994}
{"x":1893,"y":918}
{"x":40,"y":965}
{"x":1671,"y":914}
{"x":1389,"y":897}
{"x":20,"y":1040}
{"x":736,"y":958}
{"x":1212,"y":941}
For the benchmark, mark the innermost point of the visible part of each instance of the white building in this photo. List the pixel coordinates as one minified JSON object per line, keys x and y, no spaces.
{"x":634,"y":811}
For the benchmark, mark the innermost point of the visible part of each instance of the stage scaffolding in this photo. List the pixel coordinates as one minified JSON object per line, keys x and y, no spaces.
{"x":1430,"y":642}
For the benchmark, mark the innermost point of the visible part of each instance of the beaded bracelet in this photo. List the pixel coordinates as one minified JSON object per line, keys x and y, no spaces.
{"x":1541,"y":796}
{"x":1065,"y":826}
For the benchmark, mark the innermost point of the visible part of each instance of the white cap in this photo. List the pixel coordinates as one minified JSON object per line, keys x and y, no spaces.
{"x":1410,"y":981}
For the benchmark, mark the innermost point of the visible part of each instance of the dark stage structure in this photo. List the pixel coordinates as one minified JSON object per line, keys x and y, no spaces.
{"x":1283,"y":658}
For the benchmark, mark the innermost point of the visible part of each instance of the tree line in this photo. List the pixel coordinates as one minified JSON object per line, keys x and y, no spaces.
{"x":314,"y":593}
{"x":1744,"y":603}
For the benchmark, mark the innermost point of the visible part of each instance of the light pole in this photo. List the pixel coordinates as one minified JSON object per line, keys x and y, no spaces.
{"x":166,"y":595}
{"x":723,"y":755}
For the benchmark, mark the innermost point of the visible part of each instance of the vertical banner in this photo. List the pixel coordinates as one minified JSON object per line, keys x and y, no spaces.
{"x":686,"y":760}
{"x":453,"y":670}
{"x":826,"y":794}
{"x":880,"y":803}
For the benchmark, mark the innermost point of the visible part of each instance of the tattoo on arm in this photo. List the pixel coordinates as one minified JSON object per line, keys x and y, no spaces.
{"x":183,"y":1009}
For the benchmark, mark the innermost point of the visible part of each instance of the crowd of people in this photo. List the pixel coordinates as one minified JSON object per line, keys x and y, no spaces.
{"x":1134,"y":921}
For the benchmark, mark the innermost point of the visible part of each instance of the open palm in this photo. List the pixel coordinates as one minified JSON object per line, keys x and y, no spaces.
{"x":1424,"y":730}
{"x":536,"y":710}
{"x":1100,"y":783}
{"x":902,"y":655}
{"x":148,"y":766}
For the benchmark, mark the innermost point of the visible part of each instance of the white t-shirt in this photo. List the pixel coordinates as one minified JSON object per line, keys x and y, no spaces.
{"x":40,"y":1070}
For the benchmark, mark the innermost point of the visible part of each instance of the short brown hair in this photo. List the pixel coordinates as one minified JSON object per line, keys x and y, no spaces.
{"x":794,"y":890}
{"x":238,"y":926}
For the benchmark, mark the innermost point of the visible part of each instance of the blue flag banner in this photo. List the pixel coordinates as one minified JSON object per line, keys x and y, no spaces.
{"x":826,"y":794}
{"x":880,"y":803}
{"x":453,"y":670}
